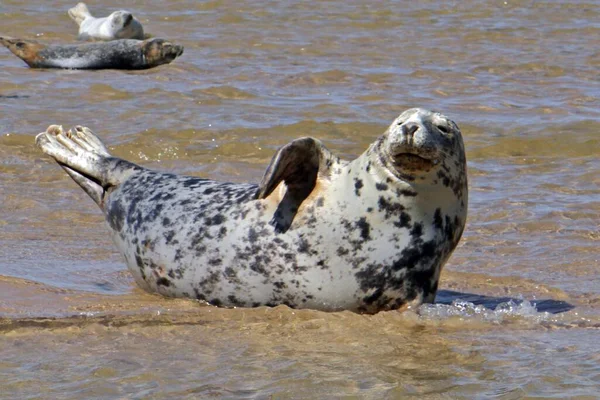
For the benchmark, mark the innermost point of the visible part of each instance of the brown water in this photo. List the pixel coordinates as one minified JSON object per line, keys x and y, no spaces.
{"x":520,"y":78}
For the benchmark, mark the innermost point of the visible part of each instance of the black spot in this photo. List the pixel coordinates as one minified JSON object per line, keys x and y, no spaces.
{"x":199,"y":296}
{"x":163,"y":282}
{"x":178,"y":255}
{"x":169,"y":236}
{"x":194,"y":183}
{"x":373,"y":297}
{"x":320,"y":202}
{"x":139,"y":261}
{"x":449,"y":229}
{"x":303,"y":246}
{"x":116,"y":216}
{"x":365,"y":228}
{"x":411,"y":256}
{"x":404,"y":221}
{"x":230,"y":272}
{"x":445,"y":179}
{"x":423,"y":280}
{"x":154,"y":213}
{"x":417,"y":230}
{"x":406,"y":193}
{"x":215,"y":262}
{"x":370,"y":209}
{"x":280,"y":285}
{"x":217,"y":219}
{"x":381,"y":186}
{"x":389,"y":208}
{"x":358,"y":184}
{"x":216,"y":302}
{"x":371,"y":277}
{"x":342,"y":251}
{"x":437,"y":219}
{"x":235,"y":301}
{"x":252,"y":235}
{"x":321,"y":263}
{"x":259,"y":268}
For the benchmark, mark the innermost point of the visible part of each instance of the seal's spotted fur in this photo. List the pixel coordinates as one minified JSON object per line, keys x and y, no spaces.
{"x":318,"y":232}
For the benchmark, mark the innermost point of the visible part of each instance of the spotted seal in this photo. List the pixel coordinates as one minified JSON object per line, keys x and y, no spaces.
{"x":118,"y":25}
{"x":116,"y":54}
{"x":317,"y":232}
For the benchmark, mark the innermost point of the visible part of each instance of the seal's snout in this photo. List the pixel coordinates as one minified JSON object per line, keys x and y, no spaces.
{"x":408,"y":131}
{"x":411,"y":137}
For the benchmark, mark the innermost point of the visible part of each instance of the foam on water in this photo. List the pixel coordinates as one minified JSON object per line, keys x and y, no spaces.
{"x":502,"y":313}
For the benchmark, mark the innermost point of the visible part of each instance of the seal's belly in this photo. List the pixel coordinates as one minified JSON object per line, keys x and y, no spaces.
{"x":187,"y":237}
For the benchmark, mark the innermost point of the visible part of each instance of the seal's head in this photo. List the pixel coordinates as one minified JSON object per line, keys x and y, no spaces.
{"x":420,"y":143}
{"x":160,"y":51}
{"x":120,"y":19}
{"x":125,"y":26}
{"x":27,"y":50}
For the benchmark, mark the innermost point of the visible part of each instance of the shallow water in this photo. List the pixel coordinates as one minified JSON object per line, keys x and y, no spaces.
{"x":518,"y":312}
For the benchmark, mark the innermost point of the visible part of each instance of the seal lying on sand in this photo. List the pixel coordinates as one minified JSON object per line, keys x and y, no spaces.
{"x":116,"y":54}
{"x":318,"y":232}
{"x":118,"y":25}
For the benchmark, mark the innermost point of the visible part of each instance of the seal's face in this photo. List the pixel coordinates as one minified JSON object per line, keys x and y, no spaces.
{"x":28,"y":51}
{"x":120,"y":19}
{"x":419,"y":142}
{"x":160,"y":51}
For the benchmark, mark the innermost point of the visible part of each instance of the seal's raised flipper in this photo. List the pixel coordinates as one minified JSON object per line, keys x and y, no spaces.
{"x":85,"y":158}
{"x":79,"y":13}
{"x":297,"y":164}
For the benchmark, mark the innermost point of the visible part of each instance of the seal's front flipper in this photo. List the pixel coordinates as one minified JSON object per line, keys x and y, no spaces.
{"x":85,"y":158}
{"x":297,"y":164}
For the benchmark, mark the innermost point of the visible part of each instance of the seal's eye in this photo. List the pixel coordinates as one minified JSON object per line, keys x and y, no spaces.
{"x":443,"y":128}
{"x":400,"y":122}
{"x":20,"y":45}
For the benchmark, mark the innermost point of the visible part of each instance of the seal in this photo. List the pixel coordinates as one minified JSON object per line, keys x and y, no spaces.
{"x":116,"y":54}
{"x":118,"y":25}
{"x":318,"y":232}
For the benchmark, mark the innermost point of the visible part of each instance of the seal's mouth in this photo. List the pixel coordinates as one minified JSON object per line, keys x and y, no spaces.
{"x":412,"y":161}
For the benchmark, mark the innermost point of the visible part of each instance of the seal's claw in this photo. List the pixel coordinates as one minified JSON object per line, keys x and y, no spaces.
{"x":88,"y":140}
{"x":47,"y":142}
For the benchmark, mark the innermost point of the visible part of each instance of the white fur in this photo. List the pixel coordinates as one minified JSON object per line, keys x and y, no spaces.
{"x":106,"y":28}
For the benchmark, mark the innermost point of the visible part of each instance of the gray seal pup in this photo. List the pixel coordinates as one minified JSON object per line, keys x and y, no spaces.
{"x":318,"y":232}
{"x":116,"y":54}
{"x":118,"y":25}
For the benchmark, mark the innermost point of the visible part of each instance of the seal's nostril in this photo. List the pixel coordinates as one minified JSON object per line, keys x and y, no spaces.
{"x":409,"y":129}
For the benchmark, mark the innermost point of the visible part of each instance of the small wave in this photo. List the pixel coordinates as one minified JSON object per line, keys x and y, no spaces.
{"x":516,"y":312}
{"x":501,"y":313}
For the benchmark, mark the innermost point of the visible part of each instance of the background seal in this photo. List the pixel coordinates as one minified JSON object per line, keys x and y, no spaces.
{"x":118,"y":25}
{"x":116,"y":54}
